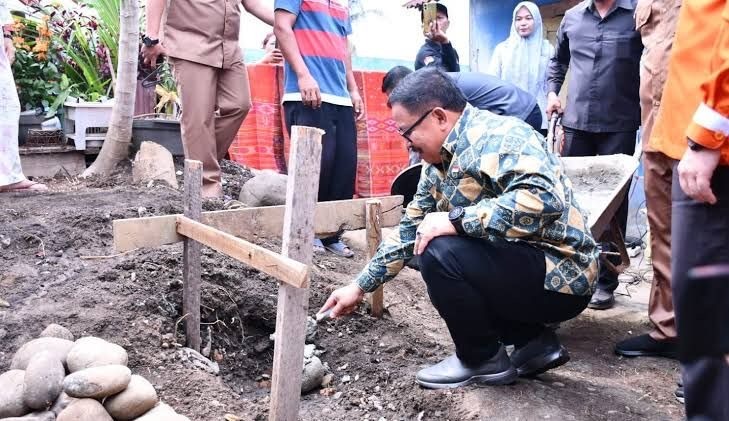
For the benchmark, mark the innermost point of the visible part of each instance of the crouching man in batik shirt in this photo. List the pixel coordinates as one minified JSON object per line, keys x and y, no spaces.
{"x":504,"y":248}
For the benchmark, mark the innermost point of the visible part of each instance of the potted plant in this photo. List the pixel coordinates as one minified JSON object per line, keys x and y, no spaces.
{"x":41,"y":86}
{"x":163,"y":126}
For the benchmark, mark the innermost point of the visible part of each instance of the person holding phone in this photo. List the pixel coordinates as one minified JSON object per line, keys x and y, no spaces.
{"x":437,"y":50}
{"x":273,"y":54}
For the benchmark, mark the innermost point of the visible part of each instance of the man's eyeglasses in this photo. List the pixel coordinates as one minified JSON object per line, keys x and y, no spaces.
{"x":407,"y":132}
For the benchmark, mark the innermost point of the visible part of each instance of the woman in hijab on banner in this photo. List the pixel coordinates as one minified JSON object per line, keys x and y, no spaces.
{"x":523,"y":57}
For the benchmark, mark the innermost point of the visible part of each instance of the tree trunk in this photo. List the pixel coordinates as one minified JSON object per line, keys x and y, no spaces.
{"x":119,"y":137}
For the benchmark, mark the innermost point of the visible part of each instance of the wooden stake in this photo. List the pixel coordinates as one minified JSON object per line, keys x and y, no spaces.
{"x":298,"y":238}
{"x":191,"y":255}
{"x":374,"y":237}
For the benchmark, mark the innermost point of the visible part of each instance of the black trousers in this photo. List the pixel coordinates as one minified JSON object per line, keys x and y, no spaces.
{"x":339,"y":147}
{"x":700,"y":236}
{"x":582,"y":143}
{"x":534,"y":118}
{"x":491,"y":293}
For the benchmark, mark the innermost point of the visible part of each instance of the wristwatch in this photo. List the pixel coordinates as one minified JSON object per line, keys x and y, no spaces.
{"x":694,"y":146}
{"x":456,"y":217}
{"x":7,"y":35}
{"x":149,"y":42}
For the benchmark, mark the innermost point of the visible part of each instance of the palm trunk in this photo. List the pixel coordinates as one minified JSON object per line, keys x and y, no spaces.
{"x":118,"y":138}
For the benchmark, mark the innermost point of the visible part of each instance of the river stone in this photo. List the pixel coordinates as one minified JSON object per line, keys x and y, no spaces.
{"x":162,"y":412}
{"x":94,"y":352}
{"x":97,"y":382}
{"x":84,"y":410}
{"x":138,"y":398}
{"x":61,"y":403}
{"x":43,"y":380}
{"x":267,"y":188}
{"x":35,"y":416}
{"x":314,"y":372}
{"x":56,"y":346}
{"x":11,"y":394}
{"x":57,"y":331}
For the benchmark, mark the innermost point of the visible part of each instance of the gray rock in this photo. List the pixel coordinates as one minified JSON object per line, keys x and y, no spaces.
{"x":314,"y":372}
{"x":57,"y":346}
{"x":11,"y":394}
{"x":91,"y":351}
{"x":267,"y":188}
{"x":311,"y":328}
{"x":34,"y":416}
{"x":84,"y":410}
{"x":57,"y":331}
{"x":43,"y":380}
{"x":62,"y":403}
{"x":154,"y":162}
{"x":97,"y":382}
{"x":138,"y":398}
{"x":162,"y":412}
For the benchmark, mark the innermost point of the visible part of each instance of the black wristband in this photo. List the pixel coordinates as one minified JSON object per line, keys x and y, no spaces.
{"x":8,"y":36}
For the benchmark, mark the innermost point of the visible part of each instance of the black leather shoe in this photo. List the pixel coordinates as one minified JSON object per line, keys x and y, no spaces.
{"x":539,"y":355}
{"x":451,"y":372}
{"x":602,"y":300}
{"x":646,"y":346}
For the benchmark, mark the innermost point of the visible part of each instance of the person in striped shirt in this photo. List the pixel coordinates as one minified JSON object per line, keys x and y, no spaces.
{"x":320,"y":91}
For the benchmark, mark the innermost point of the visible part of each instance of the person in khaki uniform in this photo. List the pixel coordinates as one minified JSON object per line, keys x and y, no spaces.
{"x":656,"y":20}
{"x":201,"y":40}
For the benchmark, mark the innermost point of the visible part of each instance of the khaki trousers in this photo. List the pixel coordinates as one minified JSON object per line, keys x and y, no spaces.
{"x":658,"y":170}
{"x":215,"y":102}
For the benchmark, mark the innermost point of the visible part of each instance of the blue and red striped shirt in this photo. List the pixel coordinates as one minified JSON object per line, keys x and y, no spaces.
{"x":321,"y":31}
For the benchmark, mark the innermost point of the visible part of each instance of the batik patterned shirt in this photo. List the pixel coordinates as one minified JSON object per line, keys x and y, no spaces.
{"x":512,"y":189}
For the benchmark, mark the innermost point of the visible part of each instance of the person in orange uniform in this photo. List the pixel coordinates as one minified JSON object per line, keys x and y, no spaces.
{"x":693,"y":126}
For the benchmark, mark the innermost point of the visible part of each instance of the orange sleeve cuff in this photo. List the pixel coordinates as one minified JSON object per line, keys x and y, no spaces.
{"x":705,"y":137}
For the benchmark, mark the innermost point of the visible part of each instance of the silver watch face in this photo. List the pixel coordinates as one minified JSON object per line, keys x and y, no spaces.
{"x":455,"y":213}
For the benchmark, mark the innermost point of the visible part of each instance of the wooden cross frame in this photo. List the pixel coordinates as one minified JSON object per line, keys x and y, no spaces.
{"x":297,"y":221}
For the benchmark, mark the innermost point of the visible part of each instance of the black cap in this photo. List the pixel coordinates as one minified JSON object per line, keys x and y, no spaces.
{"x":438,"y":8}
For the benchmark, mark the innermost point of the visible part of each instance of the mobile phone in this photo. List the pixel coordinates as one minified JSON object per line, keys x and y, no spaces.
{"x":429,"y":15}
{"x":704,"y":309}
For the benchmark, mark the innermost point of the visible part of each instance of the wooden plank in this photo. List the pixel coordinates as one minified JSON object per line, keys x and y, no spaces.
{"x":298,"y":236}
{"x":374,"y":237}
{"x":282,"y":268}
{"x":191,"y":258}
{"x":250,"y":223}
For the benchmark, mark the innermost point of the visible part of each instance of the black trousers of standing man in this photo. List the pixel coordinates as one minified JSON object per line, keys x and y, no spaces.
{"x":492,"y":293}
{"x":700,"y":237}
{"x":582,"y":143}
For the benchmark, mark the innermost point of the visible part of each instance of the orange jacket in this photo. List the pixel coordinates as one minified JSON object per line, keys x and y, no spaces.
{"x":696,"y":95}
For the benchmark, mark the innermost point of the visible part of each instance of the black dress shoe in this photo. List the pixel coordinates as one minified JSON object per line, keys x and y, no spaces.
{"x":646,"y":346}
{"x":602,"y":300}
{"x":451,"y":372}
{"x":539,"y":355}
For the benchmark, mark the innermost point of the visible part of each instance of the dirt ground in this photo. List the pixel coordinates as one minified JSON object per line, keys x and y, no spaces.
{"x":55,"y":268}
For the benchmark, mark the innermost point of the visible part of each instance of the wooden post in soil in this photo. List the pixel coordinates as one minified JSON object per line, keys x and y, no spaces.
{"x":298,"y":237}
{"x":373,"y":229}
{"x":191,"y":264}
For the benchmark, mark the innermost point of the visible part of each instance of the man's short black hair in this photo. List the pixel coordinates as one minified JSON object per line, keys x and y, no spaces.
{"x":438,"y":8}
{"x":425,"y":89}
{"x":393,"y":77}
